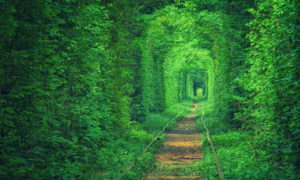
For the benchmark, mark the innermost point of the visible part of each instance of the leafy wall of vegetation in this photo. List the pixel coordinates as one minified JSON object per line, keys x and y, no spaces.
{"x":54,"y":74}
{"x":265,"y":101}
{"x":272,"y":105}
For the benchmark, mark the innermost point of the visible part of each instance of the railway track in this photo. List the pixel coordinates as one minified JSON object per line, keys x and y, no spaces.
{"x":180,"y":152}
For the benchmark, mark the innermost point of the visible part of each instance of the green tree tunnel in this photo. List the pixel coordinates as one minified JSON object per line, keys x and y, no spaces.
{"x":85,"y":85}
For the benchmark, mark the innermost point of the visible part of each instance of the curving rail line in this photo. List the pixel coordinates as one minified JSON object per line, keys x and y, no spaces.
{"x":217,"y":160}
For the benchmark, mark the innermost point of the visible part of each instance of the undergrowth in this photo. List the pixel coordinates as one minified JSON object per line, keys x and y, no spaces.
{"x":240,"y":161}
{"x":118,"y":154}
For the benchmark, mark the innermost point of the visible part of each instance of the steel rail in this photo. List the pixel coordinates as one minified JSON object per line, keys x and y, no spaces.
{"x":146,"y":148}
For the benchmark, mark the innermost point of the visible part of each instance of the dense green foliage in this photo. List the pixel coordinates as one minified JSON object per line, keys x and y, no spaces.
{"x":86,"y":84}
{"x":272,"y":105}
{"x":53,"y":76}
{"x":267,"y":98}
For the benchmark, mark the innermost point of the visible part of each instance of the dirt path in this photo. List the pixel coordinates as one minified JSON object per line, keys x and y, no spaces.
{"x":180,"y":152}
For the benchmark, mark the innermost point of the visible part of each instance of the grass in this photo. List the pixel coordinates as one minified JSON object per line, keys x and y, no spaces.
{"x":183,"y":107}
{"x":214,"y":124}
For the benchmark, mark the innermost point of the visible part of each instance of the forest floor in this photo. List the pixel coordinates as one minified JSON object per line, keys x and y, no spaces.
{"x":180,"y":152}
